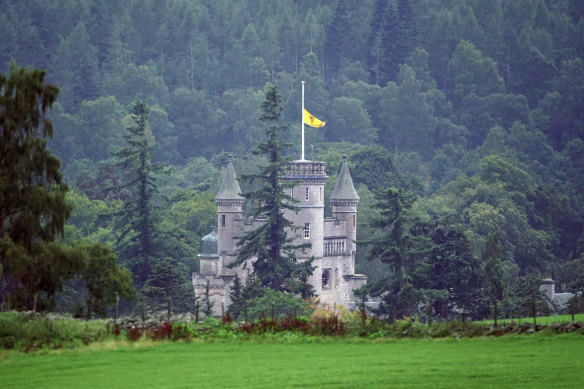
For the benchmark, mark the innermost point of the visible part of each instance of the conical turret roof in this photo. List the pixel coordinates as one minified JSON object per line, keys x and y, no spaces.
{"x":344,"y":189}
{"x":229,"y":189}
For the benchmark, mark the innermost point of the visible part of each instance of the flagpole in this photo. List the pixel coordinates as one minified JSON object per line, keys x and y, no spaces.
{"x":302,"y":120}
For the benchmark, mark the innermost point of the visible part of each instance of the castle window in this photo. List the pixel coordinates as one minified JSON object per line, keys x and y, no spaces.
{"x":307,"y":194}
{"x":307,"y":231}
{"x":354,"y":220}
{"x":222,"y":220}
{"x":292,"y":192}
{"x":326,"y":278}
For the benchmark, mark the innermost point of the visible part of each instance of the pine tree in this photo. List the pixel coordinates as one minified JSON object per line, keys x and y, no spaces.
{"x":168,"y":281}
{"x":236,"y":305}
{"x":392,"y":244}
{"x":338,"y":34}
{"x":276,"y":266}
{"x":384,"y":43}
{"x":206,"y":302}
{"x":137,"y":222}
{"x":406,"y":30}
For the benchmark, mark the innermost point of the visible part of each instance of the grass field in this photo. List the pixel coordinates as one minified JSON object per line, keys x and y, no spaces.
{"x":531,"y":361}
{"x":539,"y":320}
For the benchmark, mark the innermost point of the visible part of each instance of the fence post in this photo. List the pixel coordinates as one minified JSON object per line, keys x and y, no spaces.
{"x":143,"y":308}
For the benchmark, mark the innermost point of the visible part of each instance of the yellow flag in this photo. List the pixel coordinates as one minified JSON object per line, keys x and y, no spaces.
{"x":311,"y":120}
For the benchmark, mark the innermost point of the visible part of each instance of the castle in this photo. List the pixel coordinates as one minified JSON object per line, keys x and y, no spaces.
{"x":332,"y":238}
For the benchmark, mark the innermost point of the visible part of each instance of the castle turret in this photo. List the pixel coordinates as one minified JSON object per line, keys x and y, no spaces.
{"x":208,"y":258}
{"x":344,"y":201}
{"x":229,"y":209}
{"x":310,"y":177}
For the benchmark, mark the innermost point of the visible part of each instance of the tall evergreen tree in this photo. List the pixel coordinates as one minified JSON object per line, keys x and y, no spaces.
{"x":338,"y":34}
{"x":392,"y":244}
{"x":406,"y":29}
{"x":276,"y":266}
{"x":237,"y":301}
{"x":387,"y":53}
{"x":33,"y":208}
{"x":169,"y":284}
{"x":137,"y":221}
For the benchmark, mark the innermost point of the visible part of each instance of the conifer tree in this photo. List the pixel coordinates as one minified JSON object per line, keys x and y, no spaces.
{"x":277,"y":265}
{"x":236,"y":305}
{"x":338,"y":35}
{"x":206,"y":302}
{"x":391,"y":244}
{"x":33,"y":208}
{"x":168,"y":281}
{"x":137,"y":222}
{"x":383,"y":43}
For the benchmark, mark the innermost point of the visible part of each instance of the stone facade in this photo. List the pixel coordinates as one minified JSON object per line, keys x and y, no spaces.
{"x":332,"y":239}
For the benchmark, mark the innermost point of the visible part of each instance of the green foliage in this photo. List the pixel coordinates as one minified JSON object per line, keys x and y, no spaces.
{"x":33,"y":208}
{"x":168,"y":284}
{"x":276,"y":266}
{"x":206,"y":302}
{"x":375,"y":167}
{"x":104,"y":279}
{"x":137,"y":224}
{"x":525,"y":299}
{"x":470,"y":72}
{"x":452,"y":81}
{"x":279,"y":303}
{"x":237,"y":303}
{"x":30,"y":333}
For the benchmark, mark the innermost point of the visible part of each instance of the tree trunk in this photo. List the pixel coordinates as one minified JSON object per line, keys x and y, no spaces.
{"x":89,"y":306}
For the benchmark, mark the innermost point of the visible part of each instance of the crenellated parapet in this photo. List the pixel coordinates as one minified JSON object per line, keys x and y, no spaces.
{"x":305,"y":168}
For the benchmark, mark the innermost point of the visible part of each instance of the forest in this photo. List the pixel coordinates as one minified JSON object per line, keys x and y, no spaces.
{"x":465,"y":118}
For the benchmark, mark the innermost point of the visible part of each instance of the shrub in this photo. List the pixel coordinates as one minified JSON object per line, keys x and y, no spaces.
{"x":7,"y":342}
{"x":161,"y":332}
{"x":279,"y":303}
{"x":328,"y":325}
{"x":134,"y":333}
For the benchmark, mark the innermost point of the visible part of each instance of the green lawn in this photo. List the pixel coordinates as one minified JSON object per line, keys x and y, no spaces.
{"x":528,"y":361}
{"x":539,"y":320}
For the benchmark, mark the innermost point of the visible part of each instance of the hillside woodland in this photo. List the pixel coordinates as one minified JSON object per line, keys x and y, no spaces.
{"x":462,"y":121}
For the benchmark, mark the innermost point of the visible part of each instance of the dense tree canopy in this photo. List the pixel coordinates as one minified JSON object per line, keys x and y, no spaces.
{"x":476,"y":106}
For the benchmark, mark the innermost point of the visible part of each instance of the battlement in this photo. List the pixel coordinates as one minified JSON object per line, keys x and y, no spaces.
{"x":302,"y":169}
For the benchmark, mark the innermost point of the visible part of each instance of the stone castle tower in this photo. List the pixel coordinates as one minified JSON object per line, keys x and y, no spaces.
{"x":332,"y":238}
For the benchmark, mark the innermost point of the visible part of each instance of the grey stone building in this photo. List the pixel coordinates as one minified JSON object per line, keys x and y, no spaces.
{"x":332,"y":238}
